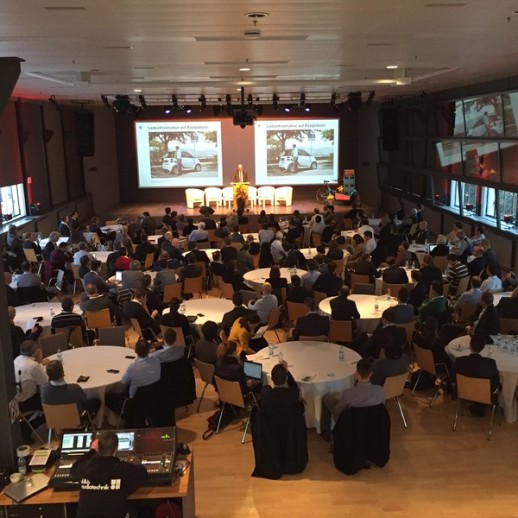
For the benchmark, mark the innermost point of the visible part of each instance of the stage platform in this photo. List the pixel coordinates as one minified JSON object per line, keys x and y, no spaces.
{"x":129,"y":210}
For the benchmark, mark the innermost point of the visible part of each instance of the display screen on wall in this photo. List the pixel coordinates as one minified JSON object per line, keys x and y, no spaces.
{"x":484,"y":116}
{"x":179,"y":154}
{"x":296,"y":152}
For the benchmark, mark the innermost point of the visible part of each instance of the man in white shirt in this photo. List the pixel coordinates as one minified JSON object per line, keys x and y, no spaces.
{"x":278,"y":252}
{"x":309,"y":278}
{"x":472,"y":296}
{"x":82,"y":252}
{"x":370,"y":243}
{"x":265,"y":304}
{"x":266,"y":234}
{"x":30,"y":376}
{"x":492,"y":283}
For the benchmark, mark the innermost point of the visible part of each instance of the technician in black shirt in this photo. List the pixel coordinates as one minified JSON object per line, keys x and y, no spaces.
{"x":105,"y":481}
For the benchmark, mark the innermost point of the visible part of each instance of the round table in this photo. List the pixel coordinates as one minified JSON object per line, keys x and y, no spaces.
{"x":506,"y":362}
{"x":208,"y":251}
{"x":94,"y":362}
{"x":317,"y":361}
{"x":497,"y":297}
{"x":379,"y":280}
{"x":25,"y":314}
{"x":256,"y":278}
{"x":211,"y":309}
{"x":369,"y":318}
{"x":113,"y":278}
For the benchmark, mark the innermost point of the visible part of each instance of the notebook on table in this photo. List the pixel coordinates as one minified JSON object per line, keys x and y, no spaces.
{"x":253,"y":371}
{"x":27,"y":487}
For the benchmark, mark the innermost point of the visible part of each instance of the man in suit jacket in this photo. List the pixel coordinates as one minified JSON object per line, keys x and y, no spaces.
{"x":387,"y":331}
{"x":133,"y":277}
{"x":297,"y":292}
{"x":476,"y":366}
{"x":311,"y":324}
{"x":430,"y":272}
{"x":418,"y":293}
{"x":508,"y":306}
{"x":136,"y":308}
{"x":145,"y":248}
{"x":394,"y":274}
{"x":366,"y":267}
{"x":96,"y":301}
{"x":342,"y":308}
{"x":403,"y":312}
{"x":94,"y":277}
{"x":329,"y":282}
{"x":164,"y":276}
{"x":486,"y":321}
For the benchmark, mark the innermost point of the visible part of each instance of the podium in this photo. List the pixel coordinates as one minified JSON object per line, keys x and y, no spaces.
{"x":240,"y":190}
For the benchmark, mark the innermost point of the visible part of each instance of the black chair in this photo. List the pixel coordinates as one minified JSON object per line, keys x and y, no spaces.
{"x":361,"y":436}
{"x":177,"y":388}
{"x":280,"y":441}
{"x":143,"y":409}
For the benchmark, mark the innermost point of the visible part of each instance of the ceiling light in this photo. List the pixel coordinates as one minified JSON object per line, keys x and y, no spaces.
{"x":392,"y":67}
{"x":137,"y":90}
{"x":288,"y":108}
{"x":168,"y":110}
{"x":245,"y":69}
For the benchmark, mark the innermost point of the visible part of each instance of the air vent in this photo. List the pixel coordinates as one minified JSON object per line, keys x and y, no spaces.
{"x":263,"y":38}
{"x":443,"y":4}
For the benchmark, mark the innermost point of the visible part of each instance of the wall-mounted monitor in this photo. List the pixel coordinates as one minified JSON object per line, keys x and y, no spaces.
{"x":296,"y":152}
{"x":179,"y":154}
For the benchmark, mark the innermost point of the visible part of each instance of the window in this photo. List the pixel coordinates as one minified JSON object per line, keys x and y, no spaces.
{"x":507,"y":205}
{"x":489,"y":202}
{"x":12,"y":201}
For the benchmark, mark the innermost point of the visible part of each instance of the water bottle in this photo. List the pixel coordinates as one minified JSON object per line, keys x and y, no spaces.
{"x":270,"y":350}
{"x":376,"y":307}
{"x":388,"y":294}
{"x":60,"y":356}
{"x":22,"y":466}
{"x":52,"y":313}
{"x":341,"y":353}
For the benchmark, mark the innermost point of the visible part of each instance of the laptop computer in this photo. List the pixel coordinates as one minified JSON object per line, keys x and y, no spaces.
{"x":75,"y":443}
{"x":253,"y":371}
{"x":118,"y":276}
{"x":27,"y":487}
{"x":431,"y":247}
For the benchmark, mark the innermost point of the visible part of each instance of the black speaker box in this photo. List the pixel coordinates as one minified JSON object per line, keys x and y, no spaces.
{"x":85,"y":133}
{"x":389,"y":129}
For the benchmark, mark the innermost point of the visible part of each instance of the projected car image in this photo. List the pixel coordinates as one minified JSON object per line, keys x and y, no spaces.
{"x":189,"y":163}
{"x":304,"y":161}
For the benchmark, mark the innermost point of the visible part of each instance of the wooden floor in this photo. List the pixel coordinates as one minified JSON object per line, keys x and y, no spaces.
{"x":432,"y":472}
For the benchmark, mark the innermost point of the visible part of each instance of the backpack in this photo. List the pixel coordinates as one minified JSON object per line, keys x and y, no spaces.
{"x":212,"y":421}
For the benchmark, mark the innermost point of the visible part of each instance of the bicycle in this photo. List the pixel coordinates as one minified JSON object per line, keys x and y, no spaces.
{"x":327,"y":193}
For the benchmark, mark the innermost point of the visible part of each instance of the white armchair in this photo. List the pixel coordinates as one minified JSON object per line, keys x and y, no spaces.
{"x":253,"y":197}
{"x":214,"y":195}
{"x":193,"y":196}
{"x":228,"y":196}
{"x":266,"y":193}
{"x":284,"y":194}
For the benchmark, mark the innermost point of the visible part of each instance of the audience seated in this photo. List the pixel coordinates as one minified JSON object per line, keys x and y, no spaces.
{"x":236,"y":312}
{"x":206,"y":347}
{"x":297,"y":292}
{"x":435,"y":305}
{"x":18,"y":335}
{"x":471,"y":296}
{"x":418,"y":293}
{"x":136,"y":308}
{"x":311,"y":324}
{"x":308,"y":279}
{"x":229,"y":367}
{"x":508,"y":306}
{"x":342,"y":308}
{"x":394,"y":363}
{"x":176,"y":319}
{"x":329,"y":282}
{"x":492,"y":282}
{"x":265,"y":304}
{"x":403,"y":312}
{"x":442,"y":249}
{"x":429,"y":272}
{"x":456,"y":272}
{"x":277,"y":282}
{"x":394,"y":274}
{"x":242,"y":333}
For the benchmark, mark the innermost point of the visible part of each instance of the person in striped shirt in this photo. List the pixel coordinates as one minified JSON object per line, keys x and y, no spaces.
{"x":456,"y":271}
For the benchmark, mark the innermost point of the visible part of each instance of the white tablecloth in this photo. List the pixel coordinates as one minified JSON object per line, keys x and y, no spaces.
{"x":43,"y":242}
{"x":379,"y":280}
{"x":348,"y":233}
{"x":255,"y":278}
{"x":211,"y":309}
{"x":26,"y":314}
{"x":497,"y":297}
{"x":318,"y":360}
{"x":369,"y":318}
{"x":101,"y":255}
{"x":507,"y":363}
{"x":208,"y":251}
{"x":94,"y":362}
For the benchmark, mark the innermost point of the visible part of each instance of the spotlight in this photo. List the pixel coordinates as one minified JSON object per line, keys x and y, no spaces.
{"x":142,"y":101}
{"x":121,"y":104}
{"x":175,"y":103}
{"x":168,"y":109}
{"x":354,"y":100}
{"x":203,"y":102}
{"x":307,"y":107}
{"x":288,"y":108}
{"x":370,"y":98}
{"x":104,"y":99}
{"x":275,"y":102}
{"x":188,"y":109}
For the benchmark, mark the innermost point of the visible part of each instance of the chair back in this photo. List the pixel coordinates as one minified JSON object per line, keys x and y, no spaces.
{"x":171,"y":291}
{"x":136,"y":327}
{"x":340,"y":331}
{"x":358,"y":279}
{"x":273,"y":317}
{"x":229,"y":392}
{"x":409,"y":328}
{"x":112,"y":336}
{"x":227,"y":290}
{"x":296,"y":310}
{"x":420,"y":256}
{"x":441,"y":261}
{"x":30,"y":255}
{"x":62,"y":417}
{"x":243,"y":228}
{"x":316,"y":238}
{"x":148,"y":262}
{"x":266,"y":192}
{"x":364,"y":289}
{"x":474,"y":389}
{"x":75,"y":272}
{"x":50,"y":344}
{"x":340,"y":264}
{"x":206,"y":371}
{"x":97,"y":319}
{"x":316,"y":338}
{"x":507,"y":325}
{"x":193,"y":285}
{"x":319,"y":296}
{"x":212,"y":235}
{"x":463,"y":286}
{"x":248,"y":296}
{"x":394,"y":385}
{"x":467,"y":310}
{"x":424,"y":358}
{"x":394,"y":288}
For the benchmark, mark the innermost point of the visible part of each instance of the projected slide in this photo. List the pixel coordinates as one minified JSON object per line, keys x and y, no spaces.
{"x":179,"y":154}
{"x":296,"y":152}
